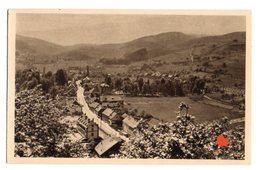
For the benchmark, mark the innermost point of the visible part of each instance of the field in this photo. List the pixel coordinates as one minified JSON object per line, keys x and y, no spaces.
{"x":114,"y":69}
{"x":165,"y":108}
{"x":53,"y":67}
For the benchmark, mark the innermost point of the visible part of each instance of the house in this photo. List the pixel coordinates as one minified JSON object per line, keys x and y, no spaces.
{"x":110,"y":105}
{"x":118,"y":92}
{"x":93,"y":105}
{"x":86,"y":79}
{"x":111,"y":117}
{"x":71,"y":91}
{"x":77,"y":110}
{"x":74,"y":69}
{"x":235,"y":91}
{"x":98,"y":110}
{"x":158,"y":74}
{"x":170,"y":76}
{"x":111,"y":100}
{"x":124,"y":115}
{"x":129,"y":124}
{"x":115,"y":120}
{"x":73,"y":107}
{"x":108,"y":146}
{"x":95,"y":90}
{"x":87,"y":128}
{"x":106,"y":113}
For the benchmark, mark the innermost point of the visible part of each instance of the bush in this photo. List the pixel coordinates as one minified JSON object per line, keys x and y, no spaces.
{"x":184,"y":139}
{"x":38,"y":131}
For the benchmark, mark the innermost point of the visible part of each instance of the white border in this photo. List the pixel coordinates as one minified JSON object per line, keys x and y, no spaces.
{"x":134,"y":4}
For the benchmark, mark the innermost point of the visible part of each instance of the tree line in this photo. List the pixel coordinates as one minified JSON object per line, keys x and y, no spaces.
{"x":141,"y":86}
{"x":29,"y":78}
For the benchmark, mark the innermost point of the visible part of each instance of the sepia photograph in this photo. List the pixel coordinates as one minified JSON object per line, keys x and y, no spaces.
{"x":128,"y":86}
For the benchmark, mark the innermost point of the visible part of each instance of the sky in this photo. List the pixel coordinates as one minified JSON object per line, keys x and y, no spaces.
{"x":70,"y":29}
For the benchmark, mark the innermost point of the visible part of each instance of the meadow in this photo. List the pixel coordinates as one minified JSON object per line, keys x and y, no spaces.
{"x":166,"y":108}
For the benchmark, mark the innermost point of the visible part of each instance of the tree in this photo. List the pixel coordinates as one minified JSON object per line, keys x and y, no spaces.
{"x":31,"y":84}
{"x":37,"y":124}
{"x":46,"y":84}
{"x":146,"y":88}
{"x":48,"y":74}
{"x":61,"y":77}
{"x":162,"y":81}
{"x":134,"y":89}
{"x":26,"y":79}
{"x":140,"y":84}
{"x":53,"y":92}
{"x":108,"y":80}
{"x":118,"y":84}
{"x":178,"y":91}
{"x":169,"y":88}
{"x":183,"y":139}
{"x":154,"y":88}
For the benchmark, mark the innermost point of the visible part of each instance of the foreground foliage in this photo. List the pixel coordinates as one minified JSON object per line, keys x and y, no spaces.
{"x":40,"y":133}
{"x":184,"y":139}
{"x":38,"y":130}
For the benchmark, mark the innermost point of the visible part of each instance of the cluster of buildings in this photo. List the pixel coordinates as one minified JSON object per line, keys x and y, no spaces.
{"x":234,"y":91}
{"x":87,"y":128}
{"x":105,"y":110}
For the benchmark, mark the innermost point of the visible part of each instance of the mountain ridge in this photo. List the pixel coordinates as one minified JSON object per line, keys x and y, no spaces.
{"x":156,"y":45}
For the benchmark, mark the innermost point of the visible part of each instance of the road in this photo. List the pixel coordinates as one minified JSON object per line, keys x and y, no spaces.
{"x":216,"y":103}
{"x":238,"y":120}
{"x":85,"y":109}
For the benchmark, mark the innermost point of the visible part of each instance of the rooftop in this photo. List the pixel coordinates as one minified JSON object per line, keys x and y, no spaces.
{"x":108,"y":112}
{"x":111,"y":98}
{"x":130,"y":121}
{"x":113,"y":115}
{"x":99,"y":108}
{"x":124,"y":115}
{"x":106,"y":144}
{"x":85,"y":121}
{"x":94,"y":105}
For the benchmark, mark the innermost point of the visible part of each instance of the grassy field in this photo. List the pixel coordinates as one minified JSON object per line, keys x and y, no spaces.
{"x":114,"y":69}
{"x":62,"y":64}
{"x":164,"y":108}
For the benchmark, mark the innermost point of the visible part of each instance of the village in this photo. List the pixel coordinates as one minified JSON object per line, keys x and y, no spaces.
{"x":95,"y":112}
{"x":104,"y":124}
{"x":98,"y":118}
{"x":105,"y":109}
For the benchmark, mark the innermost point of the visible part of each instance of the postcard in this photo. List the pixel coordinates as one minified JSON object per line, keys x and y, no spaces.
{"x":129,"y":86}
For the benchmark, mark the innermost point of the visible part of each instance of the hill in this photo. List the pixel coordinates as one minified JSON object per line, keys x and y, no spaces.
{"x":160,"y":44}
{"x":37,"y":47}
{"x":169,"y":47}
{"x":156,"y":45}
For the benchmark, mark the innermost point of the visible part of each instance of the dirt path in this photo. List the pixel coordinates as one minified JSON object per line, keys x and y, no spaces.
{"x":216,"y":103}
{"x":238,"y":120}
